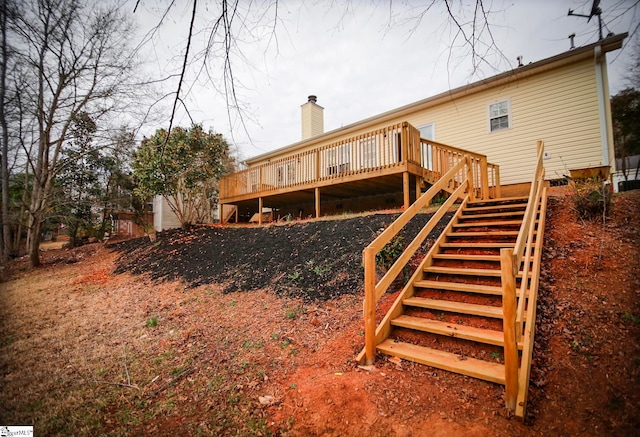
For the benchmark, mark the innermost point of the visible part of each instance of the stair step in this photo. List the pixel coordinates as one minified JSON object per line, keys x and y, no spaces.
{"x":496,"y":207}
{"x":464,"y":271}
{"x":489,"y":224}
{"x":484,"y":234}
{"x":480,"y":369}
{"x":477,"y":245}
{"x":501,"y":201}
{"x":471,"y":333}
{"x":464,"y":257}
{"x":492,"y":215}
{"x":459,"y":286}
{"x":455,"y":307}
{"x":467,"y":257}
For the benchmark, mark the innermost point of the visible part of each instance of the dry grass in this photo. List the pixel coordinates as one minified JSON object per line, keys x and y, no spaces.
{"x":93,"y":353}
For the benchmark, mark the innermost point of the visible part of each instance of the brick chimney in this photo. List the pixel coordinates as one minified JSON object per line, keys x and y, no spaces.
{"x":312,"y":118}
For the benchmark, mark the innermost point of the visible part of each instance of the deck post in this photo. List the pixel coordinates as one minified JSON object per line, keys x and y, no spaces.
{"x":498,"y":190}
{"x":220,"y":211}
{"x":484,"y":178}
{"x":472,"y":194}
{"x":369,"y":255}
{"x":259,"y":211}
{"x":418,"y":187}
{"x":404,"y":142}
{"x":405,"y":189}
{"x":317,"y":190}
{"x":509,"y":326}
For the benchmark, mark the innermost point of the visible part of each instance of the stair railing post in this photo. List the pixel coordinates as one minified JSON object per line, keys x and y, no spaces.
{"x":484,"y":178}
{"x":470,"y":177}
{"x":509,"y":325}
{"x":404,"y":142}
{"x":369,"y":259}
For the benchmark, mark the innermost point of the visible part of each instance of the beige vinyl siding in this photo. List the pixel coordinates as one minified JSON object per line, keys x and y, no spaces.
{"x":312,"y":120}
{"x":163,"y":217}
{"x":558,"y":107}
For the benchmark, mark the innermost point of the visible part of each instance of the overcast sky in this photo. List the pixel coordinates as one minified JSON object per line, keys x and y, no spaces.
{"x":360,"y":58}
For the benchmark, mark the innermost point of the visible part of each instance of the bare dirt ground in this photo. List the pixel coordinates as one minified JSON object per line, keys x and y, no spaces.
{"x":174,"y":349}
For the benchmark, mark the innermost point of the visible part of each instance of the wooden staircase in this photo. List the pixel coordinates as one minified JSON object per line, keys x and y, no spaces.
{"x":470,"y":306}
{"x":453,"y":318}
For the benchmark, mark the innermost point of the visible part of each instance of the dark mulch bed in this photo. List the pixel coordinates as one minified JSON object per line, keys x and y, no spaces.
{"x":315,"y":260}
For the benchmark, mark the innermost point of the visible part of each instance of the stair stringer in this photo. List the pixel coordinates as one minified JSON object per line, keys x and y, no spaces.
{"x":384,"y":328}
{"x":227,"y":217}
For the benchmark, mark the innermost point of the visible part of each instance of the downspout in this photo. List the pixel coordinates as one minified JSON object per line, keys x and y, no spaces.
{"x":604,"y":105}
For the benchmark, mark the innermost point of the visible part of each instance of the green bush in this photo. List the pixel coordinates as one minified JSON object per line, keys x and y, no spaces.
{"x":591,"y":197}
{"x":390,"y":252}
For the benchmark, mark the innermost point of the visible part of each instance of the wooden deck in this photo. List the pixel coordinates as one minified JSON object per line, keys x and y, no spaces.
{"x":389,"y":160}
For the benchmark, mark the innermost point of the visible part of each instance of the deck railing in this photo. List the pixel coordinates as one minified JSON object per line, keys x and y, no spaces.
{"x":391,"y":146}
{"x":381,"y":148}
{"x":438,"y":158}
{"x":514,"y":262}
{"x":373,"y":289}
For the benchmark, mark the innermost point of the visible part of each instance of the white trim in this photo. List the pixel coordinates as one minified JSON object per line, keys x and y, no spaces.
{"x":601,"y":63}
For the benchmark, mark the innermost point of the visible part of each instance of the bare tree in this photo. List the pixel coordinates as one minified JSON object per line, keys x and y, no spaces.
{"x":230,"y":24}
{"x":75,"y":55}
{"x":5,"y":236}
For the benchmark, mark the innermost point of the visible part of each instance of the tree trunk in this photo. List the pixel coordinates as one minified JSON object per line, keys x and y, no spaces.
{"x":4,"y":170}
{"x":17,"y":242}
{"x":33,"y":240}
{"x":37,"y":208}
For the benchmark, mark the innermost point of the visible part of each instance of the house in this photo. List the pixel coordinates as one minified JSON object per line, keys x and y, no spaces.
{"x":127,"y":224}
{"x":163,"y":216}
{"x":387,"y":160}
{"x":627,"y":175}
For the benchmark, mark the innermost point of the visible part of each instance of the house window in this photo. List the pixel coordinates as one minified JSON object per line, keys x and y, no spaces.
{"x":291,"y":173}
{"x":499,"y":115}
{"x":280,"y":176}
{"x":368,"y":151}
{"x":396,"y":150}
{"x":427,"y":132}
{"x":338,"y":159}
{"x":286,"y":174}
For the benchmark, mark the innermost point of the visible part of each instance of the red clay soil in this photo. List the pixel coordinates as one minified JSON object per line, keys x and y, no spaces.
{"x":175,"y":349}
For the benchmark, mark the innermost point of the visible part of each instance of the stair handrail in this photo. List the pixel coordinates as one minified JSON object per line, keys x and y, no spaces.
{"x":528,"y":221}
{"x":372,"y":290}
{"x":524,"y":242}
{"x":511,"y":262}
